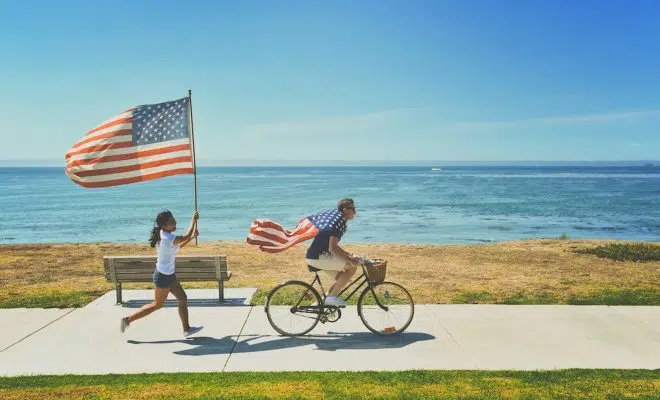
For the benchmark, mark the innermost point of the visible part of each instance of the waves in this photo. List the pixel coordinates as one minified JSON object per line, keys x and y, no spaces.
{"x":395,"y":204}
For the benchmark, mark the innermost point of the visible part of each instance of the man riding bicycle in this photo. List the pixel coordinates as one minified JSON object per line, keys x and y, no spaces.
{"x":325,"y":253}
{"x":293,"y":307}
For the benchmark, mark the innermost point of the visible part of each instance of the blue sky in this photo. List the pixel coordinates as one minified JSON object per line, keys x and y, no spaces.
{"x":343,"y":80}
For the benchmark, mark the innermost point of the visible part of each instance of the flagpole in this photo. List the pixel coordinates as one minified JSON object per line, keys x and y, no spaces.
{"x":192,"y":138}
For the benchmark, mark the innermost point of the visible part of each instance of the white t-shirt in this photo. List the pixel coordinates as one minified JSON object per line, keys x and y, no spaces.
{"x":166,"y":253}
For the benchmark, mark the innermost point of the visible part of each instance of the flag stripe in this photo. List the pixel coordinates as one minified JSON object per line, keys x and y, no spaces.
{"x":136,"y":167}
{"x":265,"y":223}
{"x":276,"y":235}
{"x":119,"y":138}
{"x":277,"y":249}
{"x":132,"y":174}
{"x":265,"y":240}
{"x":273,"y":238}
{"x":130,"y":161}
{"x":111,"y":123}
{"x":122,"y":129}
{"x":139,"y":178}
{"x":266,"y":235}
{"x":124,"y":114}
{"x":150,"y":151}
{"x":146,"y":147}
{"x":275,"y":229}
{"x":103,"y":147}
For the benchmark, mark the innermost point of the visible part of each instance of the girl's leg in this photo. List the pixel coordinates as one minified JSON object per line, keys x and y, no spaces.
{"x":160,"y":295}
{"x":177,"y":290}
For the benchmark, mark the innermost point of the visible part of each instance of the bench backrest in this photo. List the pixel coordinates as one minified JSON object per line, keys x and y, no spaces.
{"x":188,"y":268}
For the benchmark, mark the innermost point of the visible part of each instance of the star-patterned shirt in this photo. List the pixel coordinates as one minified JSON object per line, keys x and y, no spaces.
{"x":329,"y":223}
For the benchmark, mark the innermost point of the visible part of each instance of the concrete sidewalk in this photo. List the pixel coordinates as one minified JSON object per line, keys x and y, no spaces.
{"x":238,"y":337}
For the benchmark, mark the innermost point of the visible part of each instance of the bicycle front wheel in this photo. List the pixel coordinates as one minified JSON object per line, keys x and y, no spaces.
{"x":386,"y":308}
{"x":293,"y":308}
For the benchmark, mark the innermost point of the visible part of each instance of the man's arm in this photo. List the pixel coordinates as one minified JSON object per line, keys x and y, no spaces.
{"x":338,"y":252}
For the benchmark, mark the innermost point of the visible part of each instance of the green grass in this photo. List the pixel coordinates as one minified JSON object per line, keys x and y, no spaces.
{"x":621,"y":297}
{"x":474,"y":297}
{"x":48,"y":299}
{"x":640,"y":296}
{"x":625,"y":251}
{"x":583,"y":384}
{"x":563,"y":236}
{"x":610,"y":297}
{"x":259,"y":298}
{"x":529,"y":298}
{"x":485,"y":297}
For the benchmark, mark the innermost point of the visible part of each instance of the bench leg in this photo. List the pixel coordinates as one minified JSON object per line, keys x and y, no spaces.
{"x":221,"y":291}
{"x":118,"y":290}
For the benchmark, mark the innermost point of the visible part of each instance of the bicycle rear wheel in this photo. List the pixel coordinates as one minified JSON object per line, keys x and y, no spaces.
{"x":293,"y":308}
{"x":387,"y":309}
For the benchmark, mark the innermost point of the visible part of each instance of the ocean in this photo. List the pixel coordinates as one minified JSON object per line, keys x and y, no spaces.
{"x":460,"y":204}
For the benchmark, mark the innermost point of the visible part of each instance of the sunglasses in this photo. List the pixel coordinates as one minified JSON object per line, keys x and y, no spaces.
{"x":350,"y":208}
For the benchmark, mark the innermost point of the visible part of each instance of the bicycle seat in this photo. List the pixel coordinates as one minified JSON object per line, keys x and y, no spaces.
{"x":312,"y":269}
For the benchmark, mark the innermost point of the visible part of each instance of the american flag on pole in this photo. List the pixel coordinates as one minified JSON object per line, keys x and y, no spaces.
{"x":271,"y":237}
{"x":143,"y":143}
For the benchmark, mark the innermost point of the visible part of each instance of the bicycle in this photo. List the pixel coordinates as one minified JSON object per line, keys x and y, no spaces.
{"x":385,"y":308}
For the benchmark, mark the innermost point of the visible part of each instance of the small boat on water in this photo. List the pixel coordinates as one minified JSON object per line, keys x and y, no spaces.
{"x":436,"y":169}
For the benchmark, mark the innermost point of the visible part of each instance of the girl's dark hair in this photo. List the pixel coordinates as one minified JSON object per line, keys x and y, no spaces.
{"x":161,"y":219}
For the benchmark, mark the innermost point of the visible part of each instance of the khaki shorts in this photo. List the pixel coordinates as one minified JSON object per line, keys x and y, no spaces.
{"x":328,"y":263}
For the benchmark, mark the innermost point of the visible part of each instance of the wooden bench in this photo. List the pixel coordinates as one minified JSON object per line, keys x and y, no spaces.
{"x":119,"y":269}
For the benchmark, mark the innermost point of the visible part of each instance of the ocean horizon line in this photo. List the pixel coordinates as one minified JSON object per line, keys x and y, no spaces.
{"x":20,"y":163}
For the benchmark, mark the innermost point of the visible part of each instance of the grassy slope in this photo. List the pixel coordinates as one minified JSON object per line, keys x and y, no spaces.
{"x":522,"y":272}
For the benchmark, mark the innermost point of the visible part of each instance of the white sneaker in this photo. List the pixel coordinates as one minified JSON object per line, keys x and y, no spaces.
{"x":334,"y":301}
{"x":192,"y":330}
{"x":124,"y":324}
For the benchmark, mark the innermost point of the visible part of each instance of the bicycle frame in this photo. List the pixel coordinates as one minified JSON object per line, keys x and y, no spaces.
{"x":309,"y":302}
{"x":363,"y":278}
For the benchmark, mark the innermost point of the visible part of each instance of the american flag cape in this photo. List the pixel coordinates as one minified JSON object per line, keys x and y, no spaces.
{"x":140,"y":144}
{"x":271,"y":237}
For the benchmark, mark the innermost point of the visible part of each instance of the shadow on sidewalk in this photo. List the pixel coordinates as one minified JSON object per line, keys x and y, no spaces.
{"x":202,"y":345}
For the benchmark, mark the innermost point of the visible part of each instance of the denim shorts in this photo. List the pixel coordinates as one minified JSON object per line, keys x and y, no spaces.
{"x":162,"y":280}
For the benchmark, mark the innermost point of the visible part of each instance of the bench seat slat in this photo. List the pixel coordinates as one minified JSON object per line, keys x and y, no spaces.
{"x":144,"y":277}
{"x":120,"y":259}
{"x":179,"y":265}
{"x":149,"y":277}
{"x":178,"y":269}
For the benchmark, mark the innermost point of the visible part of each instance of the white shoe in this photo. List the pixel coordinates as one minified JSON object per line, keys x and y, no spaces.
{"x":124,"y":324}
{"x":192,"y":330}
{"x":334,"y":301}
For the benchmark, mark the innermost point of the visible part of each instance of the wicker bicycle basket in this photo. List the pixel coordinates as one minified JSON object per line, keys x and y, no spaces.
{"x":376,"y":270}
